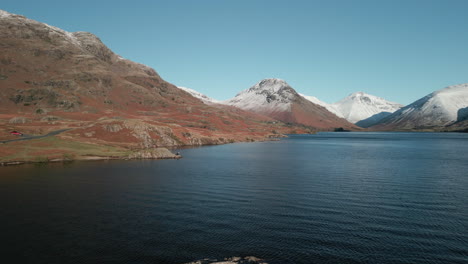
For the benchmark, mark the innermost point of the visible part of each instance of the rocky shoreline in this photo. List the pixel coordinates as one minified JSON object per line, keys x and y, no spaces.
{"x":157,"y":153}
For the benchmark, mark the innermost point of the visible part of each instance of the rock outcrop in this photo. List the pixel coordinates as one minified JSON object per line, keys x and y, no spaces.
{"x":233,"y":260}
{"x":157,"y":153}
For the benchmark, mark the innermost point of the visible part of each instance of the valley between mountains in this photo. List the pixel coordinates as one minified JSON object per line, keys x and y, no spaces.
{"x":110,"y":107}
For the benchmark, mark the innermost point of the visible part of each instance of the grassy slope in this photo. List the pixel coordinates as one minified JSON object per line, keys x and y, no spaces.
{"x":45,"y":149}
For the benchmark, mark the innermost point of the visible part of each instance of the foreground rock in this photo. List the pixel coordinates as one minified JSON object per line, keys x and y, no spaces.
{"x":233,"y":260}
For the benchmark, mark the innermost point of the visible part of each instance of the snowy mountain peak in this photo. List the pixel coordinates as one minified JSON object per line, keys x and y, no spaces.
{"x":272,"y":94}
{"x":4,"y":14}
{"x":453,"y":89}
{"x":276,"y":99}
{"x":270,"y":86}
{"x":358,"y":94}
{"x":363,"y":98}
{"x":440,"y":108}
{"x":360,"y":106}
{"x":270,"y":83}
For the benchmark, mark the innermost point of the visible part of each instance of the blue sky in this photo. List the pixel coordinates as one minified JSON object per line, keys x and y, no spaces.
{"x":399,"y":50}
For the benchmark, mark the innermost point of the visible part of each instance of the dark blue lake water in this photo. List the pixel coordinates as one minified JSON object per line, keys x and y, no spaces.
{"x":325,"y":198}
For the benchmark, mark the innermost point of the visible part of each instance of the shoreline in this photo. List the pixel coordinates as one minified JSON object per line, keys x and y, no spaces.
{"x":158,"y":153}
{"x":89,"y":158}
{"x":152,"y":154}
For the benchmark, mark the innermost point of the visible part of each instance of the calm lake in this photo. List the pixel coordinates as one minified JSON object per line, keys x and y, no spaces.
{"x":325,"y":198}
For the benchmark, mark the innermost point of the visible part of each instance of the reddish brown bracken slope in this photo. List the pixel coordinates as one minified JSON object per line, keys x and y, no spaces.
{"x":52,"y":79}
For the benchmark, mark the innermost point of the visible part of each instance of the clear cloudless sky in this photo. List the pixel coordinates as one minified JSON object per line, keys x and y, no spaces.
{"x":400,"y":50}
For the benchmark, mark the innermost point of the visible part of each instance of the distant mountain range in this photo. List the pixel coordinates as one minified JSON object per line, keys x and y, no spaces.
{"x":276,"y":99}
{"x":52,"y":79}
{"x":446,"y":109}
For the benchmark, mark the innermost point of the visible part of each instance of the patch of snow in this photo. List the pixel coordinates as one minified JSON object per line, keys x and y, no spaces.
{"x":67,"y":35}
{"x":205,"y":99}
{"x":51,"y":29}
{"x":4,"y":14}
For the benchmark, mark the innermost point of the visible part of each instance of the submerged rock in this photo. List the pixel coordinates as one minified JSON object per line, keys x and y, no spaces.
{"x":233,"y":260}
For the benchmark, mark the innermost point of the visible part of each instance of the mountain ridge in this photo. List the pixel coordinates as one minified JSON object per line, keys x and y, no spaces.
{"x":441,"y":108}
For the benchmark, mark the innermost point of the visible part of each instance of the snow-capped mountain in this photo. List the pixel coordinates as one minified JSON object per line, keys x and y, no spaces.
{"x":360,"y":108}
{"x":276,"y":99}
{"x":440,"y":108}
{"x":269,"y":95}
{"x":205,"y":99}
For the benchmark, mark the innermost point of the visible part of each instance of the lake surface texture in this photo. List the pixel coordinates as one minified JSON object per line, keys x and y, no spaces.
{"x":325,"y":198}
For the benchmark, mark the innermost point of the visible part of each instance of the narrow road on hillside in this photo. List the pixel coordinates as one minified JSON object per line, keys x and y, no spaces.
{"x":29,"y":137}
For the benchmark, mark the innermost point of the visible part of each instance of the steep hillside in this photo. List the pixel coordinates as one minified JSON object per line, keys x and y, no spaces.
{"x":47,"y":69}
{"x":51,"y":79}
